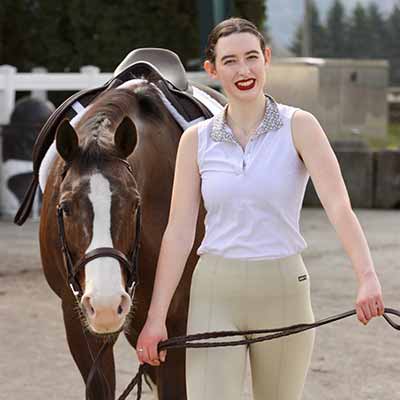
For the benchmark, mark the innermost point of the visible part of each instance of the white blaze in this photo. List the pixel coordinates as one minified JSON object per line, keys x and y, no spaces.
{"x":103,"y":275}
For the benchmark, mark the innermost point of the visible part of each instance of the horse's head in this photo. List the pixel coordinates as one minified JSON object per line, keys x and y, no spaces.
{"x":98,"y":208}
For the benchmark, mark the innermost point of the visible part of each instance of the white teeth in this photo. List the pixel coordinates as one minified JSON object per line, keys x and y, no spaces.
{"x":246,"y":83}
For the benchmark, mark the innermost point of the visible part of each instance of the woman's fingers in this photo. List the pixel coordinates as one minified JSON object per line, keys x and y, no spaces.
{"x":373,"y":310}
{"x":140,"y":352}
{"x":370,"y":308}
{"x":146,"y":356}
{"x":147,"y":344}
{"x":163,"y":355}
{"x":360,"y":314}
{"x":367,"y":311}
{"x":153,"y":354}
{"x":147,"y":353}
{"x":380,"y":306}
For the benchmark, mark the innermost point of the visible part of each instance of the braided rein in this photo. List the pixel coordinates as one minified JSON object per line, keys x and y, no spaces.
{"x":191,"y":341}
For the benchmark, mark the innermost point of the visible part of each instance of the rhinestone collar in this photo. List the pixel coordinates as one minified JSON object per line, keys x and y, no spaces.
{"x":272,"y":121}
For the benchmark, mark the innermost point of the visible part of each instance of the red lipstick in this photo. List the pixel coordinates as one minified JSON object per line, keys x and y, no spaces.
{"x":245,"y":84}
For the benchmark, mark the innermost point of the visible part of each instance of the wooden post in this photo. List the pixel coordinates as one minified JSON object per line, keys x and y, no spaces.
{"x":39,"y":94}
{"x":91,"y":72}
{"x":7,"y":92}
{"x":306,"y":39}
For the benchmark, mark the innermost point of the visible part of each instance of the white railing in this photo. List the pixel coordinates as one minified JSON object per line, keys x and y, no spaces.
{"x":40,"y":82}
{"x":12,"y":81}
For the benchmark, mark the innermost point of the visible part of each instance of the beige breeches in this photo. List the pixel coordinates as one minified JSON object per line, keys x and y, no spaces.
{"x":241,"y":295}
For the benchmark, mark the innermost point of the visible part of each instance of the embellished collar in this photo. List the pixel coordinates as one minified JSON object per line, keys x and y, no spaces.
{"x":271,"y":121}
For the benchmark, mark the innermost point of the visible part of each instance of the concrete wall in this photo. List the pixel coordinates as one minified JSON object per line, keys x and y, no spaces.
{"x":372,"y":178}
{"x":294,"y":84}
{"x":358,"y":172}
{"x":347,"y":96}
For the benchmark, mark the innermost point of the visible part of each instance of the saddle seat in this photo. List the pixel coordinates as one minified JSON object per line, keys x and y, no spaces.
{"x":167,"y":64}
{"x":162,"y":67}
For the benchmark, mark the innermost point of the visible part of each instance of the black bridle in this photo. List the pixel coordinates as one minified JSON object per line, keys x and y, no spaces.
{"x":129,"y":263}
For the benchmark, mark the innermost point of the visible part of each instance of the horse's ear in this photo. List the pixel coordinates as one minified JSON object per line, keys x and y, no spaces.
{"x":125,"y":137}
{"x":67,"y":142}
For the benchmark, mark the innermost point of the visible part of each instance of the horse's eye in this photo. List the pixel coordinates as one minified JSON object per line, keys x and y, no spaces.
{"x":66,"y":207}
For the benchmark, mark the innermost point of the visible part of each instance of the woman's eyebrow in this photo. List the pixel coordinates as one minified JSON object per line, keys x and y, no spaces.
{"x":246,"y":54}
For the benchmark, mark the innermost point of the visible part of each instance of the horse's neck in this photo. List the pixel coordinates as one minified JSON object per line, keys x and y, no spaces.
{"x":154,"y":161}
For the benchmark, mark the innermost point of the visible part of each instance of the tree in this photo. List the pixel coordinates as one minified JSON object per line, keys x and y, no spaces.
{"x":295,"y":47}
{"x":378,"y":32}
{"x":253,"y":10}
{"x":318,"y":35}
{"x":16,"y":33}
{"x":359,"y":33}
{"x":336,"y":31}
{"x":393,"y":50}
{"x":63,"y":35}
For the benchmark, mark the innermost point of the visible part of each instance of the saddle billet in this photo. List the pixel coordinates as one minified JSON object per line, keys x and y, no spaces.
{"x":186,"y":104}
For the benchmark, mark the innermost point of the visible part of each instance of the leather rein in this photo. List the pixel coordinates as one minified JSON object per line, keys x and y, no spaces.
{"x":129,"y":262}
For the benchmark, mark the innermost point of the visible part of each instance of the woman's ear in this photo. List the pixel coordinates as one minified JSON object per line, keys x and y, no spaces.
{"x":267,"y":55}
{"x":210,"y":69}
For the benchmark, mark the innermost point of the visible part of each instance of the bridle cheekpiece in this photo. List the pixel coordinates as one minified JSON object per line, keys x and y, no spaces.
{"x":129,"y":263}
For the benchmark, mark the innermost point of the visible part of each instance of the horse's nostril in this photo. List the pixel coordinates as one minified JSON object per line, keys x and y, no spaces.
{"x":125,"y":304}
{"x":87,"y":305}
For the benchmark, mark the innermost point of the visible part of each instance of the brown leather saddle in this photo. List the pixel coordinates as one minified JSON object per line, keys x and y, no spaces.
{"x":160,"y":66}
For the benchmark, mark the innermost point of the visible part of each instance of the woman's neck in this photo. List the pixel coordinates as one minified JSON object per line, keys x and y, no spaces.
{"x":245,"y":117}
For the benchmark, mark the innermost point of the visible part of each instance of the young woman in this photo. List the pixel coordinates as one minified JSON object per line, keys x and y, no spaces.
{"x":251,"y":165}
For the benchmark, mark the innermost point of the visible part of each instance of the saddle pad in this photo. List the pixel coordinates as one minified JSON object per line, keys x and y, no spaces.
{"x":80,"y":110}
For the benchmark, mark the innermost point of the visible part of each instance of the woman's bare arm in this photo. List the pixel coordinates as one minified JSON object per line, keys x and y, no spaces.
{"x":320,"y":160}
{"x":180,"y":232}
{"x":176,"y":245}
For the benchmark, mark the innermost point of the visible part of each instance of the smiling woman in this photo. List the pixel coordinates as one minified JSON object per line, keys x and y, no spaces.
{"x":250,"y":165}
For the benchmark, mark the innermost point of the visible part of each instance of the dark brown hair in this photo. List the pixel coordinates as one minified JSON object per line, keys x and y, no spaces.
{"x":226,"y":28}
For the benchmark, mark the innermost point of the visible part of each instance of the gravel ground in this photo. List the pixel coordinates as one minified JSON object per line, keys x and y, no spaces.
{"x":350,"y":361}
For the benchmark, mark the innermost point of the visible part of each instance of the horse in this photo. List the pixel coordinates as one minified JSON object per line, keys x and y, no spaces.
{"x":112,"y":180}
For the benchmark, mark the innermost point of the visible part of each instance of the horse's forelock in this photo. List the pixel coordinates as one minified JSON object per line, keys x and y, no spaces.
{"x":98,"y":125}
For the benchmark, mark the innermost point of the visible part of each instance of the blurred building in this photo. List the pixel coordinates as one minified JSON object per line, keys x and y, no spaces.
{"x":347,"y":96}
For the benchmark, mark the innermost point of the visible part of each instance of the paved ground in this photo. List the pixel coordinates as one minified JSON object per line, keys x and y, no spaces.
{"x":350,"y":361}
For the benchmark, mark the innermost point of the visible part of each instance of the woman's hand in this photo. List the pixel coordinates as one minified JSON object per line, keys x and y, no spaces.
{"x":369,"y":302}
{"x":152,"y":333}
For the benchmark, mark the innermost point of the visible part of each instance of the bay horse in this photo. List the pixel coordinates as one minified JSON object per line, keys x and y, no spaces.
{"x":119,"y":156}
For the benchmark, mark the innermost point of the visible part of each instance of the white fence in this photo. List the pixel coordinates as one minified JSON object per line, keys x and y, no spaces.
{"x":40,"y":82}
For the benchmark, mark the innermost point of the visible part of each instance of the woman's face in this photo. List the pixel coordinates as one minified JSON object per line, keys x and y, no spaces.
{"x":239,"y":65}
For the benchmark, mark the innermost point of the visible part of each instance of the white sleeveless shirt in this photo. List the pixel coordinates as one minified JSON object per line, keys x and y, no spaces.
{"x":253,"y":197}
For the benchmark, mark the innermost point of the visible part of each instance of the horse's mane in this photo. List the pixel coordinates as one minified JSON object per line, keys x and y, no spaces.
{"x":99,"y":123}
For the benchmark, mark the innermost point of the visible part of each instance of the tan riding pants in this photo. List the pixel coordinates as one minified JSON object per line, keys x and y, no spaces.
{"x":228,"y":294}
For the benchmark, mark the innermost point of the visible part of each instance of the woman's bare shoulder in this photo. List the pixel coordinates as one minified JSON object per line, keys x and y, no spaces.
{"x":190,"y":135}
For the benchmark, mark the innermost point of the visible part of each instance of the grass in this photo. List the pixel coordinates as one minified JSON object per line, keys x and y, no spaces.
{"x":391,"y":142}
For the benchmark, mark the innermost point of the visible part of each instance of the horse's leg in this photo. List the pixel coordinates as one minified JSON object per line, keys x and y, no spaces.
{"x":168,"y":380}
{"x":171,"y":376}
{"x":84,"y":348}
